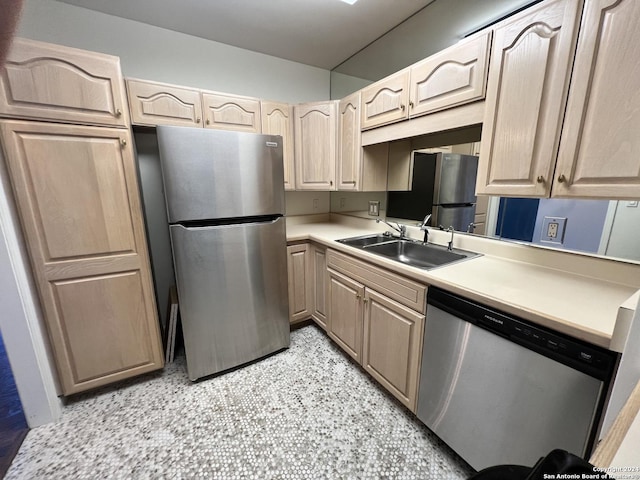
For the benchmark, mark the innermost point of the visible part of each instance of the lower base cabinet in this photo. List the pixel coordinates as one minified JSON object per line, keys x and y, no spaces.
{"x":392,"y":346}
{"x":319,"y":265}
{"x":377,"y":331}
{"x":345,"y":313}
{"x":300,"y":287}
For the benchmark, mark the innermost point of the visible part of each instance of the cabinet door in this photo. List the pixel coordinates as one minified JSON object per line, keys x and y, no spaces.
{"x":77,"y":195}
{"x":526,"y":94}
{"x":300,"y":282}
{"x":455,"y":76}
{"x":154,"y":104}
{"x":315,"y":146}
{"x":385,"y":101}
{"x":51,"y":82}
{"x":393,"y":346}
{"x":227,"y":112}
{"x":345,"y":313}
{"x":319,"y":260}
{"x":349,"y":143}
{"x":600,"y":147}
{"x":277,"y":119}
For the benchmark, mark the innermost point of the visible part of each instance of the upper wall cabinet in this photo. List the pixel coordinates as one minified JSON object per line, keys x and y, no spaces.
{"x":451,"y":77}
{"x":526,"y":95}
{"x":153,"y":103}
{"x":385,"y":101}
{"x":227,"y":112}
{"x":315,"y":145}
{"x":277,"y":119}
{"x":50,"y":82}
{"x":599,"y":152}
{"x":358,"y":169}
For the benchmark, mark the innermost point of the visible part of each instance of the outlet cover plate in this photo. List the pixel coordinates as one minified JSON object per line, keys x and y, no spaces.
{"x":374,"y":208}
{"x":553,"y":229}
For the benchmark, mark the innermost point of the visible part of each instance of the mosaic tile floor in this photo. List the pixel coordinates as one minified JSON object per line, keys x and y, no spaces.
{"x":306,"y":413}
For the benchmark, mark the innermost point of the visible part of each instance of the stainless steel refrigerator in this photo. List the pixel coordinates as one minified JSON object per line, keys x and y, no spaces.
{"x":225,"y":204}
{"x":442,"y":185}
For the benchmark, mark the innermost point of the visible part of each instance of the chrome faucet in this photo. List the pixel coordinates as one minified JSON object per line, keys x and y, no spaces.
{"x":450,"y":246}
{"x":401,"y":229}
{"x":423,"y":227}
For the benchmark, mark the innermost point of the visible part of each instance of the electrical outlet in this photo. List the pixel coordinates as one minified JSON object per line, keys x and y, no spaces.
{"x":316,"y":203}
{"x":553,"y":229}
{"x":343,"y":202}
{"x":374,"y":208}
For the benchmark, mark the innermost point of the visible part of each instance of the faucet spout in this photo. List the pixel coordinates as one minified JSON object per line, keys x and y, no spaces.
{"x":401,"y":229}
{"x":450,"y":245}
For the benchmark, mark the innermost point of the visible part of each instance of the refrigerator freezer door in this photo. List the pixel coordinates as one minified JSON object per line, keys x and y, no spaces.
{"x":457,"y":217}
{"x":455,"y":179}
{"x":215,"y":174}
{"x":232,"y":289}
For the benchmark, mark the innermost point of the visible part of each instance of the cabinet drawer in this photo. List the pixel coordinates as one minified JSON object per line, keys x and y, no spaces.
{"x":396,"y":287}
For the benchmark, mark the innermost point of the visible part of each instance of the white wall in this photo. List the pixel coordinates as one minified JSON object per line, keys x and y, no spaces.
{"x":155,"y":53}
{"x":622,"y":241}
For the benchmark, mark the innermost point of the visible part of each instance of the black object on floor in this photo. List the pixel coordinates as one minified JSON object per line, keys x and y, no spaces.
{"x":555,"y":463}
{"x":13,"y":425}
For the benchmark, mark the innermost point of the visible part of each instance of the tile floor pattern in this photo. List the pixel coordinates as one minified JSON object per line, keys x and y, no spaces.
{"x":306,"y":413}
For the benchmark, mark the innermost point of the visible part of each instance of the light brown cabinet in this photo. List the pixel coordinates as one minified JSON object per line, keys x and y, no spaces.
{"x":385,"y":101}
{"x":319,"y":263}
{"x":452,"y":77}
{"x":392,"y":346}
{"x":315,"y":131}
{"x":153,"y":103}
{"x":377,"y":317}
{"x":50,"y":82}
{"x":345,"y":318}
{"x":277,"y":119}
{"x":300,"y":271}
{"x":231,"y":112}
{"x":526,"y":94}
{"x":358,"y":169}
{"x":599,"y":152}
{"x":77,"y":195}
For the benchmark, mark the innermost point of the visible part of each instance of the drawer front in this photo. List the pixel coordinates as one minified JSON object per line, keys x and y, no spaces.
{"x":405,"y":291}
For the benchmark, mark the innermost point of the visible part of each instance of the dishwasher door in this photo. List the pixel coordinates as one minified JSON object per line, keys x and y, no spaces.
{"x":496,"y":402}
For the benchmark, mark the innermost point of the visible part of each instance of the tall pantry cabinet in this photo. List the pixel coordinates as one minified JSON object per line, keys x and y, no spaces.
{"x":77,"y":196}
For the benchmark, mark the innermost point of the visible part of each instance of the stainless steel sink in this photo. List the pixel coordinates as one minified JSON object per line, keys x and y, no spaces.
{"x":409,"y":252}
{"x":366,"y":240}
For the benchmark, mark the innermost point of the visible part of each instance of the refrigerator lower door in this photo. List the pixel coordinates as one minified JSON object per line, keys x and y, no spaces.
{"x":232,"y":289}
{"x":458,"y":217}
{"x":455,"y":179}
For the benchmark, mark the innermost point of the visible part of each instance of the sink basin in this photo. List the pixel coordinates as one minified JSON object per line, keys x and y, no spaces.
{"x":364,"y":241}
{"x":418,"y":254}
{"x":409,"y":252}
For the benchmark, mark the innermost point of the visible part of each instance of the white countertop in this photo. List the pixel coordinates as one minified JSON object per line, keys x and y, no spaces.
{"x":571,"y":302}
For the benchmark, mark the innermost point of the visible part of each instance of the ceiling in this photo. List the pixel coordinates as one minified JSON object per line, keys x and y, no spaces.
{"x":322,"y":33}
{"x":369,"y":39}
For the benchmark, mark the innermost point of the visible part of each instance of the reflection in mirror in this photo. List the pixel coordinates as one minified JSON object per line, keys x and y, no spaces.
{"x":600,"y":227}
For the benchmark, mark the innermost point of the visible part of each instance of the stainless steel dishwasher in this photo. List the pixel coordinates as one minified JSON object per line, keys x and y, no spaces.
{"x":499,"y":390}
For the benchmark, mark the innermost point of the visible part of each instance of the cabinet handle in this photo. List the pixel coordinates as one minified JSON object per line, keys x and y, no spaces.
{"x":331,"y":182}
{"x":123,"y":142}
{"x":198,"y":120}
{"x":562,"y":178}
{"x":358,"y":296}
{"x":118,"y":113}
{"x":410,"y":104}
{"x":208,"y":122}
{"x":540,"y":179}
{"x":402,"y":107}
{"x":366,"y":300}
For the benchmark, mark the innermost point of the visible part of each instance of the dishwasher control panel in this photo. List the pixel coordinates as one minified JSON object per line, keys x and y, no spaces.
{"x":590,"y":359}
